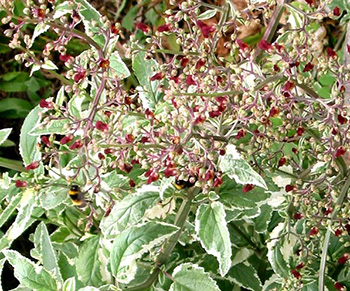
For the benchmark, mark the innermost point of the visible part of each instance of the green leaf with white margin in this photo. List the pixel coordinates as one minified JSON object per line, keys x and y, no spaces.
{"x":144,"y":70}
{"x":89,"y":288}
{"x":26,"y":215}
{"x":262,"y":221}
{"x":28,"y":143}
{"x":60,"y":97}
{"x":238,"y":169}
{"x":131,"y":243}
{"x":30,"y":275}
{"x":89,"y":266}
{"x":118,"y":66}
{"x":52,"y":127}
{"x":52,"y":197}
{"x":273,"y":283}
{"x":40,"y":28}
{"x":49,"y":65}
{"x":62,"y":9}
{"x":10,"y":208}
{"x":90,"y":17}
{"x":130,"y":210}
{"x":191,"y":277}
{"x":4,"y":134}
{"x":211,"y":228}
{"x":207,"y":14}
{"x":69,"y":285}
{"x":1,"y":267}
{"x":245,"y":276}
{"x":279,"y":251}
{"x":48,"y":255}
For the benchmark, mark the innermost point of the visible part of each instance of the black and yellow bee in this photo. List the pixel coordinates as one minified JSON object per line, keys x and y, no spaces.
{"x":181,"y":184}
{"x":78,"y":197}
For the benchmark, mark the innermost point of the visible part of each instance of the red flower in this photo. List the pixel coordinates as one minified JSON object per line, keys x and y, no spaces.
{"x":241,"y":133}
{"x":79,"y":76}
{"x":169,"y":172}
{"x":114,"y":29}
{"x":341,"y":119}
{"x":205,"y":29}
{"x":289,"y":188}
{"x":66,"y":139}
{"x":222,"y":152}
{"x":132,"y":183}
{"x":21,"y":184}
{"x":296,"y":274}
{"x":342,"y":260}
{"x":242,"y":45}
{"x":184,"y":62}
{"x":313,"y":231}
{"x":190,"y":81}
{"x":336,"y":11}
{"x":297,"y":216}
{"x":331,"y":53}
{"x":144,"y":27}
{"x":108,"y":151}
{"x":129,"y":138}
{"x":32,"y":166}
{"x":200,"y":64}
{"x":104,"y":64}
{"x":164,"y":27}
{"x":101,"y":156}
{"x":289,"y":85}
{"x":308,"y":67}
{"x":149,"y":114}
{"x":200,"y":119}
{"x":340,"y":151}
{"x":300,"y":265}
{"x":300,"y":131}
{"x":348,"y":48}
{"x":44,"y":104}
{"x":247,"y":188}
{"x":338,"y":232}
{"x":45,"y":140}
{"x":274,"y":111}
{"x":65,"y":58}
{"x":264,"y":45}
{"x":218,"y":181}
{"x":310,"y":2}
{"x":282,"y":161}
{"x":40,"y":13}
{"x":76,"y":145}
{"x":101,"y":126}
{"x":339,"y":286}
{"x":157,"y":76}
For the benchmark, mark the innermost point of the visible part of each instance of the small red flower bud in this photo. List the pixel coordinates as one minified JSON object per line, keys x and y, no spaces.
{"x":149,"y":114}
{"x":334,"y":131}
{"x":164,"y":28}
{"x":348,"y":48}
{"x":218,"y":181}
{"x":108,"y":113}
{"x":132,"y":183}
{"x":342,"y":260}
{"x":200,"y":119}
{"x":32,"y":166}
{"x":289,"y":85}
{"x":44,"y":104}
{"x":76,"y":145}
{"x":289,"y":188}
{"x":247,"y":188}
{"x":296,"y":274}
{"x":276,"y":68}
{"x":190,"y":81}
{"x":129,"y":138}
{"x":66,"y":139}
{"x":339,"y":286}
{"x":295,"y":150}
{"x":21,"y":184}
{"x":101,"y":156}
{"x":104,"y":64}
{"x":308,"y":67}
{"x":336,"y":11}
{"x":222,"y":152}
{"x":153,"y":177}
{"x":313,"y":231}
{"x":342,"y":119}
{"x":310,"y":2}
{"x":297,"y":216}
{"x":215,"y":113}
{"x":242,"y":45}
{"x":114,"y":29}
{"x":169,"y":172}
{"x":65,"y":58}
{"x":300,"y":131}
{"x":209,"y":175}
{"x":45,"y":140}
{"x":282,"y":161}
{"x":328,"y":211}
{"x":40,"y":13}
{"x":101,"y":126}
{"x":278,"y":47}
{"x":200,"y":64}
{"x":145,"y":139}
{"x":79,"y":76}
{"x":143,"y":27}
{"x":264,"y":45}
{"x":241,"y":133}
{"x":274,"y":111}
{"x":340,"y":151}
{"x":184,"y":62}
{"x":157,"y":76}
{"x":300,"y":265}
{"x":331,"y":53}
{"x":109,"y":151}
{"x":205,"y":29}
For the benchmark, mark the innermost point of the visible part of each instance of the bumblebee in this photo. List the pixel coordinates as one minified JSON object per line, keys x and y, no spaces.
{"x":181,"y":184}
{"x":78,"y":197}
